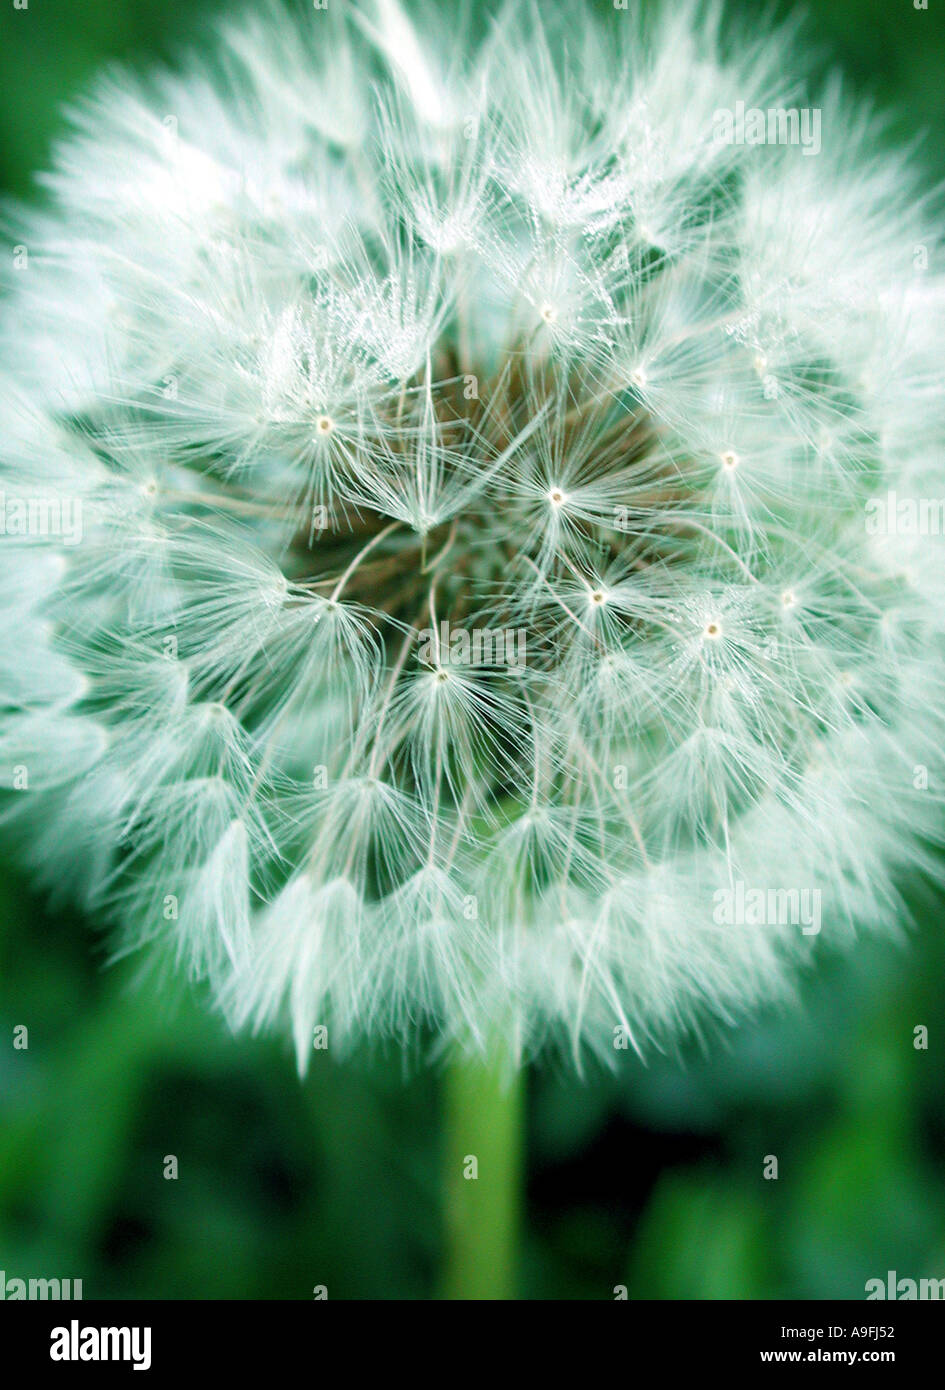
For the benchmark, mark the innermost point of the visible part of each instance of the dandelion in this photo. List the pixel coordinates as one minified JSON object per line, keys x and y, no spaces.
{"x":544,"y":355}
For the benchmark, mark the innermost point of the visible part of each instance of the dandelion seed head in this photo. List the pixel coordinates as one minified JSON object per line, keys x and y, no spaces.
{"x":471,"y":581}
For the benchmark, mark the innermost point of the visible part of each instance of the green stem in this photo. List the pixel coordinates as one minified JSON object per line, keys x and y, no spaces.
{"x":484,"y":1104}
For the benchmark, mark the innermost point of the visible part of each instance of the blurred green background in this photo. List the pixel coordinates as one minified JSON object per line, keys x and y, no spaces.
{"x":653,"y":1178}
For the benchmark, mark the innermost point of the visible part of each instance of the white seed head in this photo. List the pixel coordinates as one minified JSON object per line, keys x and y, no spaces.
{"x":418,"y":664}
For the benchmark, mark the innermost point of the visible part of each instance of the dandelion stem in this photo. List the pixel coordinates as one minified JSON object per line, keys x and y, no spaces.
{"x":484,"y":1105}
